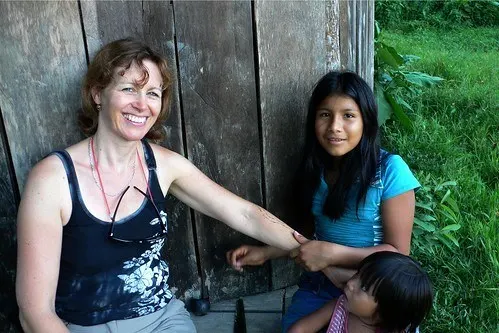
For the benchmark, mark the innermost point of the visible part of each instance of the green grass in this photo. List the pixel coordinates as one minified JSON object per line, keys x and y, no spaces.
{"x":456,"y":138}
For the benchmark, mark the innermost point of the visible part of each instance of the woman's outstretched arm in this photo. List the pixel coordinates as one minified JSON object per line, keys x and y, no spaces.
{"x":195,"y":189}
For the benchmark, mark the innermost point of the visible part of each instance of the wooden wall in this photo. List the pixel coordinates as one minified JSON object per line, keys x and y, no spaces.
{"x":244,"y":73}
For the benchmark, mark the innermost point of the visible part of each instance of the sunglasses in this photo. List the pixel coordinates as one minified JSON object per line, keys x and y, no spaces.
{"x":161,"y":219}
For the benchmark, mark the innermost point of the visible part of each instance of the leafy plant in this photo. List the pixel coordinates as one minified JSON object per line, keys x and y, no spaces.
{"x":403,"y":14}
{"x":437,"y":216}
{"x":391,"y":81}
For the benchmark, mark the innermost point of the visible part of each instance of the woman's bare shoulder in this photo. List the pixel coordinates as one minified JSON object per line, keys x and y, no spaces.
{"x":168,"y":158}
{"x":50,"y":169}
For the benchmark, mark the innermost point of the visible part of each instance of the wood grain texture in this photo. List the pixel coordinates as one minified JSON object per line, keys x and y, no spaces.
{"x":43,"y":59}
{"x":8,"y":210}
{"x":152,"y":22}
{"x":357,"y":37}
{"x":215,"y":48}
{"x":333,"y":61}
{"x":291,"y":58}
{"x":8,"y":201}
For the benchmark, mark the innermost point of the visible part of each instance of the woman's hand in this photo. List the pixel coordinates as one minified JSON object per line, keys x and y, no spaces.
{"x":246,"y":255}
{"x":312,"y":255}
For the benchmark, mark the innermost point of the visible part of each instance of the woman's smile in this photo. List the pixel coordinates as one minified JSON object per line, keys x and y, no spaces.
{"x":135,"y":120}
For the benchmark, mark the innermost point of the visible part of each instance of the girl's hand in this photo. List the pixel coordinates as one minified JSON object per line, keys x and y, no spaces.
{"x":246,"y":255}
{"x":312,"y":255}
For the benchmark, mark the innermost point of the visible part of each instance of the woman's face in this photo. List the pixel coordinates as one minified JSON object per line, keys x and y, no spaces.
{"x":130,"y":106}
{"x":338,"y":125}
{"x":360,"y":301}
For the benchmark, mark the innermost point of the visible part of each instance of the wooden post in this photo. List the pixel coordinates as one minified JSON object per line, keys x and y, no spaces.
{"x":217,"y":79}
{"x":291,"y":58}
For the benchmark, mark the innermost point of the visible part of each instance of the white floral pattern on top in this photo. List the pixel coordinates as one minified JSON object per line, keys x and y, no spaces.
{"x":148,"y":278}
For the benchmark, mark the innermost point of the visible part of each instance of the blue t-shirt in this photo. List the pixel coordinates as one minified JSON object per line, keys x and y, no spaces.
{"x":363,"y":228}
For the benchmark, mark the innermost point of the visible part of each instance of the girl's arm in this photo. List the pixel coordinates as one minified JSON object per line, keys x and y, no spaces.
{"x":250,"y":255}
{"x":339,"y":276}
{"x":314,"y":321}
{"x":39,"y":241}
{"x":192,"y":187}
{"x":398,"y":217}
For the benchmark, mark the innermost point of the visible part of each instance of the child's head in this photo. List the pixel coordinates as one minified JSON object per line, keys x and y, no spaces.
{"x":341,"y":135}
{"x":341,"y":88}
{"x":392,"y":289}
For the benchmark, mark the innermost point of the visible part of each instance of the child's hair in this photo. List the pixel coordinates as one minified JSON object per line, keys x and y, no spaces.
{"x":360,"y":163}
{"x":401,"y":288}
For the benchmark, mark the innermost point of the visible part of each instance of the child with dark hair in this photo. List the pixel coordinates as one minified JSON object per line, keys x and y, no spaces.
{"x":358,"y":198}
{"x":390,"y":293}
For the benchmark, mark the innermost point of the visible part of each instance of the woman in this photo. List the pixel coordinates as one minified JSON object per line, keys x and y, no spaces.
{"x":357,"y":197}
{"x":92,"y":218}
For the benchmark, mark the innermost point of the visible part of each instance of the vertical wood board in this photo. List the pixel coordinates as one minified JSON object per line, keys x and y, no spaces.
{"x":152,"y":22}
{"x":291,"y":58}
{"x":357,"y":37}
{"x":333,"y":61}
{"x":8,"y":245}
{"x":42,"y":59}
{"x":217,"y":79}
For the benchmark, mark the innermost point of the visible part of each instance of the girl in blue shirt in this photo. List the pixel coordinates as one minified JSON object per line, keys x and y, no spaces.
{"x":359,"y":197}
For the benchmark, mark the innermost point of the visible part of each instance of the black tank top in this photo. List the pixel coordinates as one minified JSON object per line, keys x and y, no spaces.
{"x":100,"y":279}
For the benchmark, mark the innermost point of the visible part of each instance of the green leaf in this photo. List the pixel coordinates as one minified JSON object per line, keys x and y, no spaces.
{"x":452,"y":238}
{"x":448,"y":183}
{"x":389,"y":56}
{"x":444,"y":240}
{"x":424,"y":225}
{"x":427,"y":218}
{"x":451,"y":227}
{"x":405,"y":104}
{"x":447,"y":212}
{"x":399,"y":112}
{"x":447,"y":194}
{"x":410,"y":58}
{"x":424,"y":206}
{"x":384,"y":109}
{"x":453,"y":204}
{"x":421,"y":79}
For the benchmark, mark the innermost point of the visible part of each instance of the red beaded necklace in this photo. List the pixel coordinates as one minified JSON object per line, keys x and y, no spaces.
{"x":100,"y":178}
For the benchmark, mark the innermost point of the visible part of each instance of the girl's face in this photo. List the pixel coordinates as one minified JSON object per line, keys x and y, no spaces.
{"x":130,"y":109}
{"x":338,"y":125}
{"x":360,"y":301}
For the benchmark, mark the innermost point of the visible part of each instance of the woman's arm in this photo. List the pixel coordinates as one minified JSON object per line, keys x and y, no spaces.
{"x":39,"y":240}
{"x":191,"y":186}
{"x":398,"y":217}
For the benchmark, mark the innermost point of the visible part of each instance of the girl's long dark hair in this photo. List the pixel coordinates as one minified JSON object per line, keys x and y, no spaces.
{"x":359,"y":164}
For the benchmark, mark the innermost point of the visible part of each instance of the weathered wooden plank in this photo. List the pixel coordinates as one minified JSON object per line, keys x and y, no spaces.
{"x":8,"y":202}
{"x":8,"y":209}
{"x":357,"y":37}
{"x":291,"y":58}
{"x":217,"y":81}
{"x":152,"y":21}
{"x":42,"y":59}
{"x":9,"y":313}
{"x":333,"y":61}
